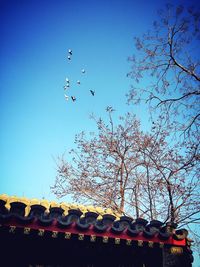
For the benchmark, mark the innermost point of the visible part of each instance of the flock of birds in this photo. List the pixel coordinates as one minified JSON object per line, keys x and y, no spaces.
{"x":67,"y":85}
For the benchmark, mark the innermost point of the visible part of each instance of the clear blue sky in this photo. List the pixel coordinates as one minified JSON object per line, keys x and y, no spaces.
{"x":37,"y":124}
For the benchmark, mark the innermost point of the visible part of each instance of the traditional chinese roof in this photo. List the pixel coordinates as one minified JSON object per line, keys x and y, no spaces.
{"x":66,"y":220}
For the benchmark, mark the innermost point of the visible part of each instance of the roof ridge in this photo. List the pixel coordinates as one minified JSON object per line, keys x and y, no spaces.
{"x":55,"y":204}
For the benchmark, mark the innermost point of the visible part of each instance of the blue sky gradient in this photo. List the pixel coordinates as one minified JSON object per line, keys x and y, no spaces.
{"x":37,"y":124}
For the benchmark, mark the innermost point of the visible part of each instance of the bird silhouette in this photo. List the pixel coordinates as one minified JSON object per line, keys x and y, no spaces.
{"x":68,"y":83}
{"x":92,"y":92}
{"x":66,"y":97}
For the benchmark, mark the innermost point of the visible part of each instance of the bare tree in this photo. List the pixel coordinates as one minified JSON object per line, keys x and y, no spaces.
{"x":166,"y":69}
{"x":102,"y":168}
{"x":132,"y":172}
{"x":176,"y":177}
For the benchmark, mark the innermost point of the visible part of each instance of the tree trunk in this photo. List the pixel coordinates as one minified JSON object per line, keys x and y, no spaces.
{"x":172,"y":210}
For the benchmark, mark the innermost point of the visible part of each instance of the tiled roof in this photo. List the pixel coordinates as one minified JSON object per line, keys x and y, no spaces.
{"x":65,"y":220}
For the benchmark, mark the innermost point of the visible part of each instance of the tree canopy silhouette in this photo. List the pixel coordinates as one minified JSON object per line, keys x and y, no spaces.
{"x":134,"y":173}
{"x":168,"y":55}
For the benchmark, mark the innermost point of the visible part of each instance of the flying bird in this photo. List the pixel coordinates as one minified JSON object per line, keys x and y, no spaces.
{"x":67,"y":80}
{"x":67,"y":97}
{"x":78,"y":82}
{"x":70,"y":51}
{"x":66,"y":86}
{"x":73,"y":98}
{"x":83,"y":71}
{"x":69,"y":57}
{"x":92,"y":92}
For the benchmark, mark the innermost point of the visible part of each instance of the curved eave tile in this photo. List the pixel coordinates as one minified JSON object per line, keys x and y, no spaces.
{"x":44,"y":216}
